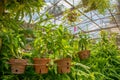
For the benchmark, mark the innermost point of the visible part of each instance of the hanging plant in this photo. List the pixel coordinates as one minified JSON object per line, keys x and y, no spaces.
{"x":83,"y":45}
{"x":100,"y":5}
{"x":16,"y":47}
{"x":72,"y":15}
{"x":14,"y":43}
{"x":41,"y":51}
{"x":92,"y":7}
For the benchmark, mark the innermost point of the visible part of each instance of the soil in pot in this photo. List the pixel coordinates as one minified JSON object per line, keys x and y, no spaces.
{"x":63,"y":65}
{"x":18,"y":65}
{"x":40,"y":65}
{"x":85,"y":54}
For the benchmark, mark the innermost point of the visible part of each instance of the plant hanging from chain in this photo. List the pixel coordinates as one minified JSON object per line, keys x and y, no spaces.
{"x":100,"y":5}
{"x":72,"y":15}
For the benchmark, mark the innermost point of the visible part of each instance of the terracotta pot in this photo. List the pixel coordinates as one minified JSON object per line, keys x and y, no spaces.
{"x":63,"y":65}
{"x":85,"y":54}
{"x":18,"y":65}
{"x":40,"y":65}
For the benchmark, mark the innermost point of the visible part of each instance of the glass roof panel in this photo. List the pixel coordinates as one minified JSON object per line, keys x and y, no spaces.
{"x":94,"y":35}
{"x":91,"y":21}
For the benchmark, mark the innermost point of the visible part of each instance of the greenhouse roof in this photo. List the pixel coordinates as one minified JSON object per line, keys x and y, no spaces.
{"x":91,"y":22}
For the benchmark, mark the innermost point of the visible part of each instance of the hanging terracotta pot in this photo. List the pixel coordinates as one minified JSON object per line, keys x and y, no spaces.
{"x":40,"y":65}
{"x":85,"y":54}
{"x":63,"y":65}
{"x":73,"y":15}
{"x":18,"y":65}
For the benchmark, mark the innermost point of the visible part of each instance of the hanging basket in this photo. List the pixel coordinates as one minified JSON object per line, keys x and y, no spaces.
{"x":18,"y":65}
{"x":40,"y":65}
{"x":85,"y":54}
{"x":63,"y":65}
{"x":89,"y":7}
{"x":72,"y":16}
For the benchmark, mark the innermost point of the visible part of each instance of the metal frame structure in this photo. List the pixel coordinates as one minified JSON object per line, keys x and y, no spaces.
{"x":92,"y":18}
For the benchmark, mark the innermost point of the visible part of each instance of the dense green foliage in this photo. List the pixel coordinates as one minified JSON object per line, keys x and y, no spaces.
{"x":104,"y":62}
{"x":53,"y":41}
{"x":105,"y":58}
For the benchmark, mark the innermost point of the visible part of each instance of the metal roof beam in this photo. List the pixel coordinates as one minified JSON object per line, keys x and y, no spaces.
{"x":114,"y":19}
{"x":114,"y":26}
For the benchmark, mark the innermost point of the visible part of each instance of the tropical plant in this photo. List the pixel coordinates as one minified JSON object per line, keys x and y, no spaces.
{"x":63,"y":42}
{"x":13,"y":39}
{"x":42,"y":40}
{"x":12,"y":45}
{"x":104,"y":60}
{"x":39,"y":47}
{"x":83,"y":44}
{"x":83,"y":41}
{"x":51,"y":40}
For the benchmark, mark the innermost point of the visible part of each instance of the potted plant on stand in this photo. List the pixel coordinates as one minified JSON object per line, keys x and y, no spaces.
{"x":40,"y":52}
{"x":16,"y":44}
{"x":64,"y":63}
{"x":40,"y":62}
{"x":63,"y":50}
{"x":83,"y":43}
